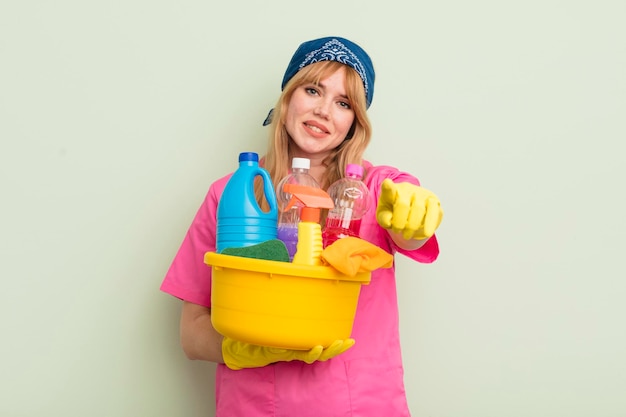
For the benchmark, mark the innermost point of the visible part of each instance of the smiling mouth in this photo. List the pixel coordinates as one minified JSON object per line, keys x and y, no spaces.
{"x":315,"y":128}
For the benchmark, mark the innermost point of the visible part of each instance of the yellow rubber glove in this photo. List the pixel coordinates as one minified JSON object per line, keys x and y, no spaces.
{"x":408,"y":209}
{"x":238,"y":355}
{"x":336,"y":348}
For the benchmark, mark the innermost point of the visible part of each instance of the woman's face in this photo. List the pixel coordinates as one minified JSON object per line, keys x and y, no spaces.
{"x":319,"y":116}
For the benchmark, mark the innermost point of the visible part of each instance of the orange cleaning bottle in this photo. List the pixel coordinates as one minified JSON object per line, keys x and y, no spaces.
{"x":309,"y":247}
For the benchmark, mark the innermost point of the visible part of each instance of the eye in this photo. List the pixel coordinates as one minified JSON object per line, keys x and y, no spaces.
{"x":312,"y":91}
{"x":345,"y":104}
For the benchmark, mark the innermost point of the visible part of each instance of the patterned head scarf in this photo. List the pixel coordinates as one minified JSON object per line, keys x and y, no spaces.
{"x":332,"y":48}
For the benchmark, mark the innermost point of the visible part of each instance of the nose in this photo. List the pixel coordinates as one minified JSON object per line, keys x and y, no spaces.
{"x":321,"y":109}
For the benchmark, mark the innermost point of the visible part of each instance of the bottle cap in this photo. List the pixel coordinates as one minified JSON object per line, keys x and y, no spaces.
{"x":301,"y":163}
{"x":249,"y":156}
{"x":354,"y":170}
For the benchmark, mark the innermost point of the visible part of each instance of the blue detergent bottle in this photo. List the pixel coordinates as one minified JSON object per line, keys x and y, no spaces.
{"x":240,"y":220}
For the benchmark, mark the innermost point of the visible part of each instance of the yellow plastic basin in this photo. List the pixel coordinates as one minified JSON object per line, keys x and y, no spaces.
{"x":282,"y":304}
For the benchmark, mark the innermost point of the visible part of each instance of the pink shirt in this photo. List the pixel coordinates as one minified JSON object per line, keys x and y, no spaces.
{"x":365,"y":381}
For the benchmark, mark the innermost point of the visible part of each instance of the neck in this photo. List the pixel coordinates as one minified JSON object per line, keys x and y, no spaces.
{"x":316,"y":170}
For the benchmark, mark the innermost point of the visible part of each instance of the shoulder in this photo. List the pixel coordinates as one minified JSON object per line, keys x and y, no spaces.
{"x":375,"y":174}
{"x":217,"y":187}
{"x":213,"y":195}
{"x":220,"y":183}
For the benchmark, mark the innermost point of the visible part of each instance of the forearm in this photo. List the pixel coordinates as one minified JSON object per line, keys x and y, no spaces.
{"x":199,"y":339}
{"x":406,"y":244}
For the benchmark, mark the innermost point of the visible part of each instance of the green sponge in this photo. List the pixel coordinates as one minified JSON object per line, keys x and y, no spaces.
{"x":273,"y":250}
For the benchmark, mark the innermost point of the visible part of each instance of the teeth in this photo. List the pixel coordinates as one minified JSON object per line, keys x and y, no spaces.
{"x":315,"y":128}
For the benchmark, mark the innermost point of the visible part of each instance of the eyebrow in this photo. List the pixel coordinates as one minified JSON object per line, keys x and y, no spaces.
{"x":320,"y":84}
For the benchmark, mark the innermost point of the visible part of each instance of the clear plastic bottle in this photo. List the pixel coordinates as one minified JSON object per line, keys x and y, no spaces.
{"x":351,"y":198}
{"x":288,"y":219}
{"x":312,"y":200}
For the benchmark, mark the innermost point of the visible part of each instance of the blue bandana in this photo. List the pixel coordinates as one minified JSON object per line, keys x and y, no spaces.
{"x":332,"y":49}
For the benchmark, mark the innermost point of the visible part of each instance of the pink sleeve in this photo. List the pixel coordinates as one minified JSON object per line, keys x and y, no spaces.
{"x":375,"y":175}
{"x":188,"y":277}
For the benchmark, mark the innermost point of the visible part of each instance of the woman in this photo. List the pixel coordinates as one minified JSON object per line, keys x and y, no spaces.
{"x":320,"y":115}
